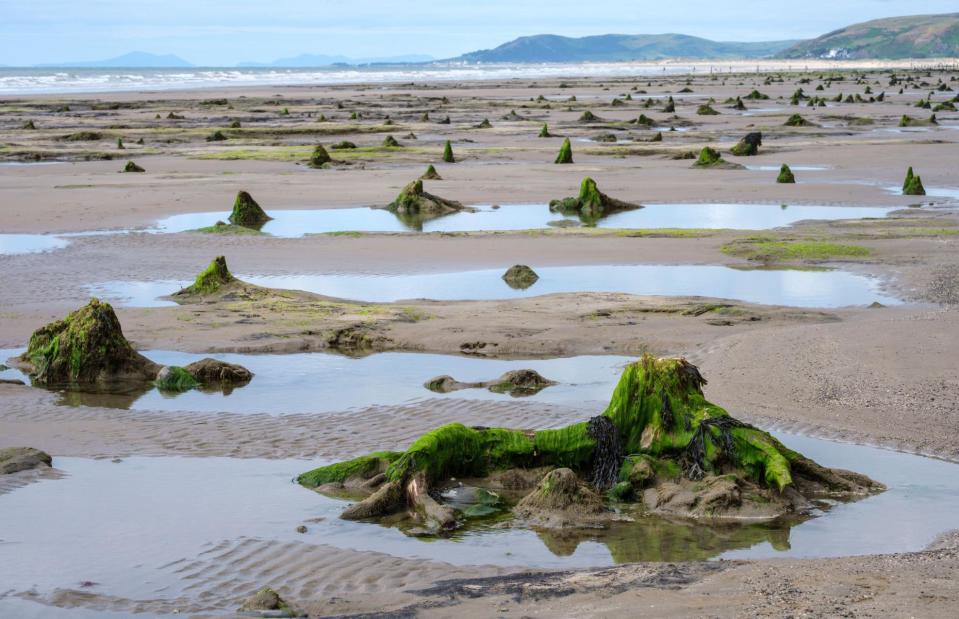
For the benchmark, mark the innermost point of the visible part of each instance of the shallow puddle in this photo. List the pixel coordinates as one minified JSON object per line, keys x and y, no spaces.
{"x":295,"y":223}
{"x":140,"y":527}
{"x":11,"y":244}
{"x":321,"y":382}
{"x":796,"y":288}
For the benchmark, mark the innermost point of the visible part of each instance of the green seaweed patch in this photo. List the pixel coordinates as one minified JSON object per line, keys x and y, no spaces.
{"x":222,"y":227}
{"x":772,"y":251}
{"x":175,"y":379}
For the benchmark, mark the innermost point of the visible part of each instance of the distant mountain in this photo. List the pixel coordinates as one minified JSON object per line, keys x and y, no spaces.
{"x":131,"y":60}
{"x":321,"y":60}
{"x":916,"y":36}
{"x":620,"y":47}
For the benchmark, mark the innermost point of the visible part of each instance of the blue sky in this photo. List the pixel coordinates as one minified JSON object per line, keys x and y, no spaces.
{"x":224,"y":32}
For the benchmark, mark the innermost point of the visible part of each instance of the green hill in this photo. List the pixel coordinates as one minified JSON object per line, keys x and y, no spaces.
{"x":620,"y":47}
{"x":915,"y":36}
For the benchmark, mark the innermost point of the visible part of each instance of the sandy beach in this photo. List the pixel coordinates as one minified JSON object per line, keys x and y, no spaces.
{"x":825,"y":360}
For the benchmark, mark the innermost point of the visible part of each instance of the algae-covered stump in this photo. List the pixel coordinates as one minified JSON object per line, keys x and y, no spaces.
{"x":785,"y":175}
{"x":749,"y":145}
{"x":414,"y":200}
{"x":247,"y":212}
{"x":591,"y":204}
{"x":448,"y":153}
{"x":658,"y":432}
{"x":319,"y":157}
{"x":212,"y":279}
{"x":86,"y":349}
{"x":16,"y":459}
{"x":912,"y":186}
{"x":709,"y":157}
{"x":132,"y":167}
{"x":796,"y":121}
{"x":431,"y":174}
{"x":544,"y":132}
{"x":520,"y":276}
{"x":565,"y":152}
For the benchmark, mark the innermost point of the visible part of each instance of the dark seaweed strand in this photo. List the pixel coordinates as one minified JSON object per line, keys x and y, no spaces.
{"x":694,"y":456}
{"x":608,"y":455}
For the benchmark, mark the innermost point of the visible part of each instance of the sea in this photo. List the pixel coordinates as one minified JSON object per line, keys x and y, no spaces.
{"x":34,"y":81}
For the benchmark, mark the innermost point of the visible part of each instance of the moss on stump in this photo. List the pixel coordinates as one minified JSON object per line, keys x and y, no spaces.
{"x":565,"y":152}
{"x":591,"y":204}
{"x":87,"y":348}
{"x":132,"y":167}
{"x":912,"y":186}
{"x":247,"y":212}
{"x":319,"y":157}
{"x":414,"y":200}
{"x":657,"y":412}
{"x":448,"y":153}
{"x":785,"y":175}
{"x":210,"y":280}
{"x":431,"y":174}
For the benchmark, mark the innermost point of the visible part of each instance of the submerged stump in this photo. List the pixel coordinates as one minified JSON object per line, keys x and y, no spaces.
{"x":414,"y":200}
{"x":520,"y":276}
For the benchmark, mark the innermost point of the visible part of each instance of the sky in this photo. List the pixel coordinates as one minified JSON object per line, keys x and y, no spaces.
{"x":225,"y":32}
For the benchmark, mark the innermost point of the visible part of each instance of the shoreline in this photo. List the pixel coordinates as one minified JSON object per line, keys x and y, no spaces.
{"x":462,"y":73}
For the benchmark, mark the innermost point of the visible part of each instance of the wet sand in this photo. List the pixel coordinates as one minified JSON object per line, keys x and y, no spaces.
{"x":881,"y":376}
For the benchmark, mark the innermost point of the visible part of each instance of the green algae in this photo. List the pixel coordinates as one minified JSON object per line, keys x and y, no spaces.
{"x":319,"y":157}
{"x":211,"y":279}
{"x":912,"y":186}
{"x":431,"y":174}
{"x":796,"y":120}
{"x":785,"y":175}
{"x":544,"y":132}
{"x":708,"y":157}
{"x":565,"y":152}
{"x":706,"y":110}
{"x":390,"y":142}
{"x":87,"y":347}
{"x":175,"y":379}
{"x":247,"y":212}
{"x":657,"y":412}
{"x":591,"y":204}
{"x":448,"y":153}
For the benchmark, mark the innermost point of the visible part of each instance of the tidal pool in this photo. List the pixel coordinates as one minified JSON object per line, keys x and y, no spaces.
{"x":11,"y":244}
{"x":308,"y":383}
{"x":789,"y":287}
{"x":295,"y":223}
{"x":136,"y":526}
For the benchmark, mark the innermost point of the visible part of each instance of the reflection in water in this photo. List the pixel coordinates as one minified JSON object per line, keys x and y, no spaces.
{"x":789,"y":287}
{"x":324,"y":382}
{"x":295,"y":223}
{"x":660,"y":539}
